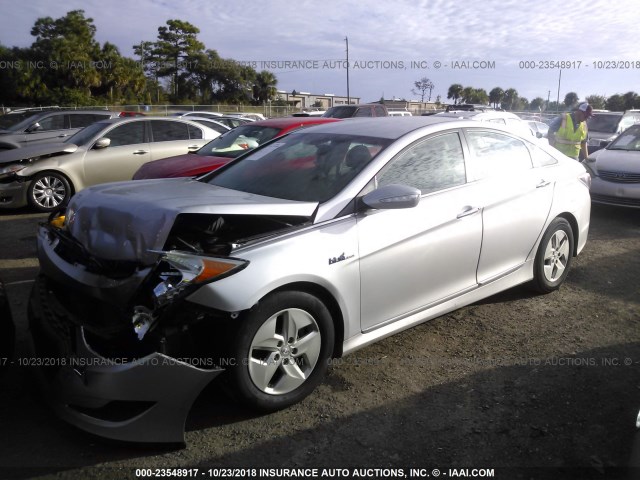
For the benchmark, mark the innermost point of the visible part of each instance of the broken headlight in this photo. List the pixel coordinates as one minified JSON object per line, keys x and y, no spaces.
{"x":179,"y":274}
{"x":189,"y":270}
{"x":11,"y":170}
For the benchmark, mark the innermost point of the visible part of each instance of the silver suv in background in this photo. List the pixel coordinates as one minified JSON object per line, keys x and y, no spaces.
{"x":30,"y":128}
{"x":605,"y":126}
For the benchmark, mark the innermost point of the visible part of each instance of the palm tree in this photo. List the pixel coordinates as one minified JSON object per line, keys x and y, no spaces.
{"x":455,"y":92}
{"x":495,"y":96}
{"x":510,"y":98}
{"x":264,"y":88}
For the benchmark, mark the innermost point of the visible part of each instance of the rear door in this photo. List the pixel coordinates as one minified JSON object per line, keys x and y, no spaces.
{"x":172,"y":138}
{"x":515,"y":198}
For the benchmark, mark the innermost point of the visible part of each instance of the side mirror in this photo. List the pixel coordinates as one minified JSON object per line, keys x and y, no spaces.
{"x":603,"y":143}
{"x":392,"y":197}
{"x":32,"y":128}
{"x":103,"y":142}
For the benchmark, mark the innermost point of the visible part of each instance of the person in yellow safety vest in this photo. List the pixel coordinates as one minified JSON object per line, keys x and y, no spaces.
{"x":568,"y":133}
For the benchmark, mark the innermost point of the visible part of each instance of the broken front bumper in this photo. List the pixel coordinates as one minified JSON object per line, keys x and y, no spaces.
{"x":142,"y":400}
{"x":137,"y":398}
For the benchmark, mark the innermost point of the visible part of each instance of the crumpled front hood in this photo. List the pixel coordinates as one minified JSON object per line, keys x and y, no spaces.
{"x":124,"y":220}
{"x":36,"y":151}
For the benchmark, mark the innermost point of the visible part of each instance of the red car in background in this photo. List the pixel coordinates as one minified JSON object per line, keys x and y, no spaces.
{"x":225,"y":148}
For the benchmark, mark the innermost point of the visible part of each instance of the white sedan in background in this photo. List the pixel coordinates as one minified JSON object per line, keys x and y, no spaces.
{"x":615,"y":171}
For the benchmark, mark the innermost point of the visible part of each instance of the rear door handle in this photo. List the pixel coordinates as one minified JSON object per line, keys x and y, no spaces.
{"x":543,"y":183}
{"x":140,"y":152}
{"x":63,"y":135}
{"x":468,"y":211}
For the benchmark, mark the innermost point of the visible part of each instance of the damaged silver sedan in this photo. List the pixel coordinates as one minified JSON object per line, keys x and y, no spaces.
{"x":310,"y":247}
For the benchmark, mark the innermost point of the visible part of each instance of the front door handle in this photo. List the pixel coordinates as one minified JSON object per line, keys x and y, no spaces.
{"x":63,"y":135}
{"x":543,"y":183}
{"x":468,"y":211}
{"x":140,"y":152}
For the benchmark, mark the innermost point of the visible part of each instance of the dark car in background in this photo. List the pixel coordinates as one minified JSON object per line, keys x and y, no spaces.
{"x":31,"y":128}
{"x":605,"y":126}
{"x":358,"y":110}
{"x":225,"y":148}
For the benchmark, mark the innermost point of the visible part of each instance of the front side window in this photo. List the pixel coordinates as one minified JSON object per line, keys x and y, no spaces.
{"x":54,"y":122}
{"x":127,"y":134}
{"x":497,"y":154}
{"x":430,"y":165}
{"x":165,"y":131}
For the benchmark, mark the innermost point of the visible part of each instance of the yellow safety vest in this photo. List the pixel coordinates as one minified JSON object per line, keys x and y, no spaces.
{"x":568,"y":140}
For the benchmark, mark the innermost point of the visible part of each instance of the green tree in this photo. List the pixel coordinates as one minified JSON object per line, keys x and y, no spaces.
{"x":631,"y":100}
{"x":67,"y":49}
{"x":177,"y":44}
{"x":467,"y":94}
{"x":571,"y":99}
{"x":615,"y":103}
{"x":122,"y":79}
{"x":537,"y":104}
{"x":596,"y":101}
{"x":423,"y":86}
{"x":455,"y":92}
{"x":495,"y":96}
{"x":510,"y":99}
{"x":264,"y":88}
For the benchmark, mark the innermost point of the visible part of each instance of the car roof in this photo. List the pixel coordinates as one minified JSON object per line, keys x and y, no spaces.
{"x":382,"y":127}
{"x":283,"y":122}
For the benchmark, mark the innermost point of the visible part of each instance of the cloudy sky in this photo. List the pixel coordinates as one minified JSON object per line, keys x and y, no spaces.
{"x":391,"y":44}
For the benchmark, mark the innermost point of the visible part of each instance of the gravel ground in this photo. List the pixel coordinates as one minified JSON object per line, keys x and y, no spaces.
{"x":530,"y":386}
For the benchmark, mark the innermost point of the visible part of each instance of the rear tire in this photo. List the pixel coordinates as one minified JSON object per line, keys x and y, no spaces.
{"x":280,"y":350}
{"x":554,"y":256}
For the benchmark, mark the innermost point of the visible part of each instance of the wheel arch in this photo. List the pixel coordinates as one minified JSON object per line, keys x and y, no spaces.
{"x":329,"y":301}
{"x":574,"y":229}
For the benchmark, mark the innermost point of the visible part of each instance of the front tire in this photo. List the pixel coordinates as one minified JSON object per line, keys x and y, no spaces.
{"x":49,"y":191}
{"x":281,"y":350}
{"x":553,"y":257}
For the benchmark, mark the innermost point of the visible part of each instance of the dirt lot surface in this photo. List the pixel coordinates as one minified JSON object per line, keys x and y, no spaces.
{"x":530,"y":386}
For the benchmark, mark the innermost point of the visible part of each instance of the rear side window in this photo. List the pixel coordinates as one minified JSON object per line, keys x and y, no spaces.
{"x":194,"y":132}
{"x":82,"y":120}
{"x":430,"y":165}
{"x":497,"y":153}
{"x":165,"y":131}
{"x":364,"y":112}
{"x":127,"y":134}
{"x":380,"y":111}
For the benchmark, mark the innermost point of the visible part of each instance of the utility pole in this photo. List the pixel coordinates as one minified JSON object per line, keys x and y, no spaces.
{"x":346,"y":39}
{"x":558,"y":98}
{"x":548,"y":96}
